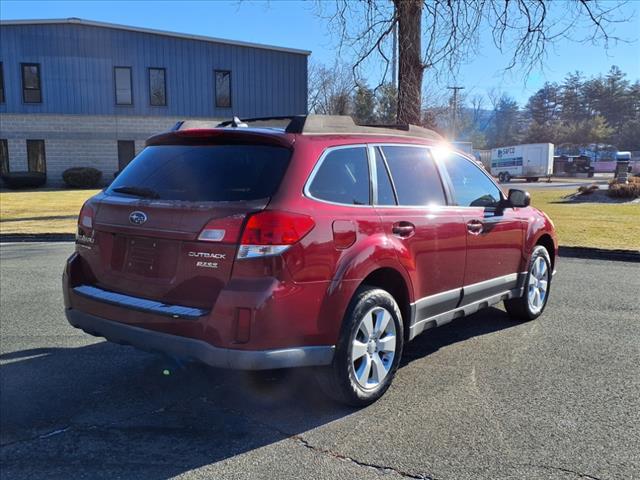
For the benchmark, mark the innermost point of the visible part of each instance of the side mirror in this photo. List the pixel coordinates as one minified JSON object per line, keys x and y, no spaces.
{"x":518,"y":198}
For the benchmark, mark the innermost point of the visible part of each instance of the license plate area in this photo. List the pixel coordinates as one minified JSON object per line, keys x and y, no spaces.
{"x":147,"y":257}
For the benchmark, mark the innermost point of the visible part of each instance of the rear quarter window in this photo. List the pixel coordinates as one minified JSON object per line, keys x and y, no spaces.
{"x":205,"y":173}
{"x":343,"y":177}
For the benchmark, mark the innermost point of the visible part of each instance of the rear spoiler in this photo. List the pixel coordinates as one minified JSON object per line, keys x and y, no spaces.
{"x":222,"y":136}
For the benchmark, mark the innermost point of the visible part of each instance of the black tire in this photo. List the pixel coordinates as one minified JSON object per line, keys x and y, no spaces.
{"x":501,"y":177}
{"x":338,"y":380}
{"x":507,"y":177}
{"x":520,"y":308}
{"x":535,"y":179}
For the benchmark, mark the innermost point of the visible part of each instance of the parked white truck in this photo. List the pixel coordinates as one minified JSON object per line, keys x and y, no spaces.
{"x":531,"y":161}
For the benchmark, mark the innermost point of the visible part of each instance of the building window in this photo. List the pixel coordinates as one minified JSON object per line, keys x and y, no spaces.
{"x":1,"y":83}
{"x":126,"y":152}
{"x":122,"y":77}
{"x":4,"y":157}
{"x":35,"y":156}
{"x":223,"y":89}
{"x":31,"y":89}
{"x":157,"y":87}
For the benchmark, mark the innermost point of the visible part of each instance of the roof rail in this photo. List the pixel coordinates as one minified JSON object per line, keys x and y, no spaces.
{"x":314,"y":125}
{"x":328,"y":124}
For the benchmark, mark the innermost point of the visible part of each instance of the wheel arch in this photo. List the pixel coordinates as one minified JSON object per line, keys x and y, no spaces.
{"x":392,"y":281}
{"x":547,"y":242}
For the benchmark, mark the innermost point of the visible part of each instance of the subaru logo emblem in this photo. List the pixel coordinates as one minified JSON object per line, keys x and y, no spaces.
{"x":137,"y":217}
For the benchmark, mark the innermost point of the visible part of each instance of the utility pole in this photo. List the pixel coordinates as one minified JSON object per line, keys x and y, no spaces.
{"x":394,"y":57}
{"x":455,"y":110}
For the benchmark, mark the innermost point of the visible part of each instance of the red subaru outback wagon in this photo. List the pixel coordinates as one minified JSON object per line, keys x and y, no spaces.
{"x":320,"y":243}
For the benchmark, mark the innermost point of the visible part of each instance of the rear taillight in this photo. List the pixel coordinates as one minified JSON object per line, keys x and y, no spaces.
{"x":222,"y":230}
{"x":85,"y":220}
{"x":272,"y":232}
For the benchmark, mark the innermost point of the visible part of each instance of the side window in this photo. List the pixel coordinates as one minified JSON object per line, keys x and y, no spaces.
{"x":472,"y":188}
{"x":415,"y":176}
{"x":386,"y":196}
{"x":343,"y":177}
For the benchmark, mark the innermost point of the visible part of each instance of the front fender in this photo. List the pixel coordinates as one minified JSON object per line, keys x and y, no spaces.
{"x":539,"y":224}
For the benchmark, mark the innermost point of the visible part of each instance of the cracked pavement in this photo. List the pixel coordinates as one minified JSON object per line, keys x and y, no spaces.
{"x":480,"y":398}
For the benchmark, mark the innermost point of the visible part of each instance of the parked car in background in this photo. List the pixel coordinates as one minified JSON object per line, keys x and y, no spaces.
{"x":320,"y":244}
{"x":531,"y":161}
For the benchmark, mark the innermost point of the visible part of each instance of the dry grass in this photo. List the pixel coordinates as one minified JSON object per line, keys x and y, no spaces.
{"x":611,"y":226}
{"x":600,"y":225}
{"x":41,"y":211}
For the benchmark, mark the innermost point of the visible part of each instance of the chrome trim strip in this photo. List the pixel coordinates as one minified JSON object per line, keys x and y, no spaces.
{"x":142,"y":304}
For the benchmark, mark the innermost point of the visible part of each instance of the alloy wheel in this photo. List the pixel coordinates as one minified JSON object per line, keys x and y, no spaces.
{"x":538,"y":285}
{"x":373,"y":347}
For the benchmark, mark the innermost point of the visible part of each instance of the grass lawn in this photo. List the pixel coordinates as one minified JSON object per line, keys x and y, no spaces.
{"x":608,"y":226}
{"x":41,"y":211}
{"x":601,"y":225}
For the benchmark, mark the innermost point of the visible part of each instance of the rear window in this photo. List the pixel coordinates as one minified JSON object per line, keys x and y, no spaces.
{"x":204,"y":173}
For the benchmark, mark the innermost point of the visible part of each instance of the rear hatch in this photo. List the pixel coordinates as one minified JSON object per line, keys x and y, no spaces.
{"x":148,"y":225}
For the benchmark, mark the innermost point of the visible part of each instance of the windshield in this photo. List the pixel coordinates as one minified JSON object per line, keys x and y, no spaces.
{"x":203,"y":173}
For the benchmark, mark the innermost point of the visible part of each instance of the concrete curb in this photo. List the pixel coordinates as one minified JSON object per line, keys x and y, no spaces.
{"x":600,"y":254}
{"x":569,"y":252}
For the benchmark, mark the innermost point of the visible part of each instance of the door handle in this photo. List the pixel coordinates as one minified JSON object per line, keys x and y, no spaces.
{"x":475,"y":227}
{"x":403,"y":229}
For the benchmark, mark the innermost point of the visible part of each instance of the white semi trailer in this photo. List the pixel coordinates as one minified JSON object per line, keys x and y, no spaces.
{"x":531,"y":161}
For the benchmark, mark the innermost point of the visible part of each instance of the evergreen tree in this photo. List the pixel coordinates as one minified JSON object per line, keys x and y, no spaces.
{"x":506,"y":126}
{"x":364,"y":105}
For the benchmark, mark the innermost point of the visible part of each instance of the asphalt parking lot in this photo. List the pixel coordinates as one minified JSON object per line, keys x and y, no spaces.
{"x":480,"y":398}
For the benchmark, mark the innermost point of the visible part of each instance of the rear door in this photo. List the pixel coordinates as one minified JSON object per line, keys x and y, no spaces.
{"x":494,"y":235}
{"x":430,"y":236}
{"x":148,"y":221}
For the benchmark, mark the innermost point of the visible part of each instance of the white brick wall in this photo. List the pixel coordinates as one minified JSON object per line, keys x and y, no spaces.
{"x":77,"y":140}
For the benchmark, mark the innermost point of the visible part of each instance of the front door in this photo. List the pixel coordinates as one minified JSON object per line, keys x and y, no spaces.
{"x":494,"y":235}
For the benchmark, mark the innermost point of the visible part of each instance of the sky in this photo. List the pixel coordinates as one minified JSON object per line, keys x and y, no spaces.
{"x":296,"y":24}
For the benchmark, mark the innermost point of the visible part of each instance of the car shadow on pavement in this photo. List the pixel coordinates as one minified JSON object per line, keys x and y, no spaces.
{"x":486,"y":321}
{"x":109,"y":411}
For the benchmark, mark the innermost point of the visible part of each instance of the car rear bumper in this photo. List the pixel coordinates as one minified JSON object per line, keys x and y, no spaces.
{"x":194,"y":349}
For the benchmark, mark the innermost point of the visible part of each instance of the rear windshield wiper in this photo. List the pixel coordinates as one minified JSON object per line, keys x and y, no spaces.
{"x":137,"y":191}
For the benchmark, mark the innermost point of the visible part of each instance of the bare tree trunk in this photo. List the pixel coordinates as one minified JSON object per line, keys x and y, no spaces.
{"x":411,"y":68}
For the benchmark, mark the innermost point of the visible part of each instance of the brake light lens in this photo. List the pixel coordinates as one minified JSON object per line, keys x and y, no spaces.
{"x":272,"y":232}
{"x":222,"y":230}
{"x":86,"y":216}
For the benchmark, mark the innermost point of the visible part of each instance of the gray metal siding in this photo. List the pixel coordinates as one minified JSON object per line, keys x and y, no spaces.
{"x":76,"y":68}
